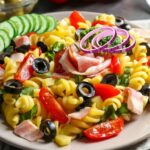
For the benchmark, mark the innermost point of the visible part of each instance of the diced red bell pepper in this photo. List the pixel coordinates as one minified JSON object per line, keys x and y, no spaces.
{"x":116,"y":66}
{"x":25,"y":70}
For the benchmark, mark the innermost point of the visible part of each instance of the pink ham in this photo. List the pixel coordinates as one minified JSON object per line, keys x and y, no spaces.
{"x":18,"y":57}
{"x":80,"y":114}
{"x":22,"y":40}
{"x":1,"y":73}
{"x":86,"y":65}
{"x":135,"y":101}
{"x":28,"y":131}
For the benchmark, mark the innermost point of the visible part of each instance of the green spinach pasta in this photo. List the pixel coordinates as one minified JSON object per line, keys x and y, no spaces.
{"x":73,"y":78}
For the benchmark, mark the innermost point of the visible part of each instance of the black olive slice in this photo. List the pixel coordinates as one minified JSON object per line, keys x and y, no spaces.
{"x":147,"y":47}
{"x":125,"y":26}
{"x":85,"y":103}
{"x":42,"y":46}
{"x":78,"y":34}
{"x":110,"y":79}
{"x":13,"y":86}
{"x":49,"y":130}
{"x":145,"y":90}
{"x":81,"y":92}
{"x":40,"y":65}
{"x":119,"y":21}
{"x":23,"y":48}
{"x":3,"y":55}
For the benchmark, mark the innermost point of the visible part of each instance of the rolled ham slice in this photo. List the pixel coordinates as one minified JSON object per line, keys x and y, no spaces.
{"x":22,"y":40}
{"x":80,"y":114}
{"x":28,"y":131}
{"x":135,"y":101}
{"x":1,"y":73}
{"x":18,"y":57}
{"x":90,"y":65}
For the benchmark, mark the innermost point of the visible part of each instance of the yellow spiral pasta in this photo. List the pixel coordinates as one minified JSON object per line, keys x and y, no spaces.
{"x":114,"y":101}
{"x":9,"y":99}
{"x":139,"y":51}
{"x":69,"y":131}
{"x":69,"y":103}
{"x":95,"y":80}
{"x":38,"y":82}
{"x":63,"y":87}
{"x":10,"y":68}
{"x":11,"y":114}
{"x":138,"y":77}
{"x":85,"y":25}
{"x":110,"y":19}
{"x":24,"y":103}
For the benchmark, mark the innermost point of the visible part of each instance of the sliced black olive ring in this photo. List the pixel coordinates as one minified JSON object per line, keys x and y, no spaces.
{"x":40,"y":65}
{"x":23,"y":48}
{"x":49,"y":130}
{"x":110,"y":79}
{"x":42,"y":46}
{"x":13,"y":86}
{"x":119,"y":21}
{"x":81,"y":92}
{"x":145,"y":90}
{"x":3,"y":55}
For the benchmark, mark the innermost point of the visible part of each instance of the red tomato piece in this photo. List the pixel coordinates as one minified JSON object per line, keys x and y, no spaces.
{"x":105,"y":91}
{"x":105,"y":130}
{"x":52,"y":106}
{"x":75,"y":17}
{"x":116,"y":66}
{"x":95,"y":22}
{"x":58,"y":67}
{"x":25,"y":70}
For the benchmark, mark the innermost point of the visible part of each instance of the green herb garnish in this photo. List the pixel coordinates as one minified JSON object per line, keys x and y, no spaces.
{"x":28,"y":115}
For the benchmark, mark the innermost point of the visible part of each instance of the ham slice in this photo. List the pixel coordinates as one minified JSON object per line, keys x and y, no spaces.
{"x":1,"y":73}
{"x":135,"y":101}
{"x":22,"y":40}
{"x":28,"y":131}
{"x":80,"y":114}
{"x":18,"y":57}
{"x":87,"y":65}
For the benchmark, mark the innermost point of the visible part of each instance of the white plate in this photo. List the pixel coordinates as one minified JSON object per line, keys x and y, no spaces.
{"x":133,"y":132}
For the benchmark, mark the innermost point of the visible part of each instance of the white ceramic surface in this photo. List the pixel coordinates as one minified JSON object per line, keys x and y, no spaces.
{"x":133,"y":132}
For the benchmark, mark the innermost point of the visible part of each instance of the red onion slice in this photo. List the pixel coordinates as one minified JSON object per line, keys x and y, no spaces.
{"x":122,"y":50}
{"x":104,"y":32}
{"x":112,"y":32}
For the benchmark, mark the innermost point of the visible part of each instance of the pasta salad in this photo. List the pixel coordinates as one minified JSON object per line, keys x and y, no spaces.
{"x":70,"y":78}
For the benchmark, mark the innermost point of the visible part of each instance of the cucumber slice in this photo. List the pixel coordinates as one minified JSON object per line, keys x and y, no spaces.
{"x":36,"y":22}
{"x":15,"y":27}
{"x":2,"y":46}
{"x":8,"y":28}
{"x":5,"y":37}
{"x":43,"y":24}
{"x":51,"y":23}
{"x":31,"y":21}
{"x":19,"y":24}
{"x":26,"y":25}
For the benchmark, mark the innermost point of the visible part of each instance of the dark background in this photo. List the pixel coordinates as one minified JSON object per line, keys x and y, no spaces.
{"x":130,"y":9}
